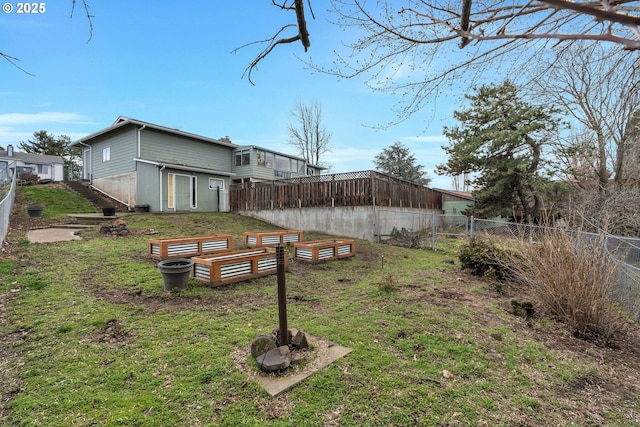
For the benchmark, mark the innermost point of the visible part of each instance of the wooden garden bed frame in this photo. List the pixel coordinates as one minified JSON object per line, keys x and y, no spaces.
{"x":187,"y":247}
{"x":272,"y":238}
{"x":236,"y":266}
{"x":324,"y":250}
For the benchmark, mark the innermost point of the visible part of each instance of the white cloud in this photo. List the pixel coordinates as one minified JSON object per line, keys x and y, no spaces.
{"x":440,"y":139}
{"x":350,"y":159}
{"x":17,"y":127}
{"x":15,"y":119}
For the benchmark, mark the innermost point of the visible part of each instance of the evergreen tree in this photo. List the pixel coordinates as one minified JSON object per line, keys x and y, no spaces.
{"x":398,"y":161}
{"x":45,"y":143}
{"x":500,"y":142}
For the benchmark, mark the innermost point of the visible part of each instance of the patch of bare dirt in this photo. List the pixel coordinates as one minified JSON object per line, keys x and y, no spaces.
{"x":612,"y":375}
{"x":112,"y":333}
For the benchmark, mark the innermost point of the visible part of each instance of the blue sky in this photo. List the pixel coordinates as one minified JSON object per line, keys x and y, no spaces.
{"x":171,"y":63}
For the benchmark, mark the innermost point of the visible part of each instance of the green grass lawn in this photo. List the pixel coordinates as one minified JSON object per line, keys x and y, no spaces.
{"x":89,"y":337}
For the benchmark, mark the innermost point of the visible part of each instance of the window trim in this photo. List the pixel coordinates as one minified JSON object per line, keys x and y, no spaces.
{"x":211,"y":187}
{"x":244,"y":156}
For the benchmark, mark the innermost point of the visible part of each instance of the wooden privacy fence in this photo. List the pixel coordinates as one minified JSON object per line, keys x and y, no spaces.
{"x":366,"y":188}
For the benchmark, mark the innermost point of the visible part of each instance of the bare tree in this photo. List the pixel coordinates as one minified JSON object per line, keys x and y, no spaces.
{"x":309,"y":135}
{"x":589,"y":84}
{"x":619,"y":210}
{"x":87,"y":8}
{"x":406,"y":47}
{"x":601,"y":159}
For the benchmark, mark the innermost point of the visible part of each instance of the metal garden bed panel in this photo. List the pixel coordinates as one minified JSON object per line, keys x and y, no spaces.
{"x":272,"y":238}
{"x":187,"y":247}
{"x":324,"y":250}
{"x":236,"y":266}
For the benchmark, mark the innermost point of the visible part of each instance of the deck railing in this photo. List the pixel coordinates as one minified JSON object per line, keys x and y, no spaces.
{"x":365,"y":188}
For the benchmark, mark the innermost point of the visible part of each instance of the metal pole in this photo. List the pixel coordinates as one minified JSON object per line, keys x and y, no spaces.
{"x":282,"y":297}
{"x":471,"y":227}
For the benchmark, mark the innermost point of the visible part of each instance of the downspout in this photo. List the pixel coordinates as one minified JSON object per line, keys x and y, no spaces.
{"x":140,"y":130}
{"x":139,"y":150}
{"x":90,"y":161}
{"x":161,"y":169}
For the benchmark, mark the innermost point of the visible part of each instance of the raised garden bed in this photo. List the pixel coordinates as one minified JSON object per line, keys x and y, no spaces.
{"x":236,"y":266}
{"x":186,"y":247}
{"x":324,"y":250}
{"x":271,"y":238}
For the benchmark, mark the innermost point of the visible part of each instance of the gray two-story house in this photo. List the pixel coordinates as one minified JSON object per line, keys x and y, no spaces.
{"x":169,"y":170}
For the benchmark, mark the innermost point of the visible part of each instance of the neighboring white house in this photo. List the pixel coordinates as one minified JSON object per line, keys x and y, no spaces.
{"x":43,"y":165}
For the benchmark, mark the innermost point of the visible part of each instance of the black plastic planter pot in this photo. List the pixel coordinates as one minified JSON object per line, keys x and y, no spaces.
{"x":109,"y":211}
{"x":175,"y":273}
{"x":35,"y":211}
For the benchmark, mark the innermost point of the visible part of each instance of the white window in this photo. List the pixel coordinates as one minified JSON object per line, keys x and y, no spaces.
{"x":106,"y":154}
{"x":242,"y":158}
{"x":282,"y":163}
{"x":44,"y":169}
{"x":269,"y":159}
{"x":215,"y":183}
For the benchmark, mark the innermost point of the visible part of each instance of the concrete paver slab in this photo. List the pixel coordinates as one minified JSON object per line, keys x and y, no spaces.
{"x":49,"y":235}
{"x":325,"y":353}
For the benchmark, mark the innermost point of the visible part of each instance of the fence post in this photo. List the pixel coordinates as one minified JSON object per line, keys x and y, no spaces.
{"x":466,"y":226}
{"x":434,"y":229}
{"x":471,"y":228}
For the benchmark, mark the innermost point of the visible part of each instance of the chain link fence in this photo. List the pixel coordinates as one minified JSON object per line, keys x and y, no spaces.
{"x":8,"y":182}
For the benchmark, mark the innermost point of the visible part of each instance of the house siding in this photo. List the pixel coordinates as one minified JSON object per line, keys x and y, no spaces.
{"x":148,"y":186}
{"x":164,"y":148}
{"x":122,"y":146}
{"x":255,"y":172}
{"x":456,"y":207}
{"x":206,"y":199}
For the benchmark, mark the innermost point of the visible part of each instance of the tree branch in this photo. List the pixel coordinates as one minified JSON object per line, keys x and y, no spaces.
{"x":597,"y":12}
{"x":303,"y":35}
{"x":12,"y":60}
{"x":89,"y":16}
{"x":464,"y":21}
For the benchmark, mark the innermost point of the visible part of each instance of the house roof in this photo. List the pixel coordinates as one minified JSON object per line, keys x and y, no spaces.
{"x":186,"y":168}
{"x":460,"y":194}
{"x":124,"y":121}
{"x":31,"y":158}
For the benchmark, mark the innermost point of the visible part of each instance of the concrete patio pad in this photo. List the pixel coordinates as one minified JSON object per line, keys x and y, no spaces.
{"x":55,"y":234}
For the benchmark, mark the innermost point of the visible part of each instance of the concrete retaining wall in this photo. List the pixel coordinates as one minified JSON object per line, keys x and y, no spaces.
{"x":362,"y":222}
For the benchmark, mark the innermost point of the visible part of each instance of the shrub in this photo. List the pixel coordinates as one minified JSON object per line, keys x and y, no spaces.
{"x":486,"y":258}
{"x":571,"y":279}
{"x":388,"y":284}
